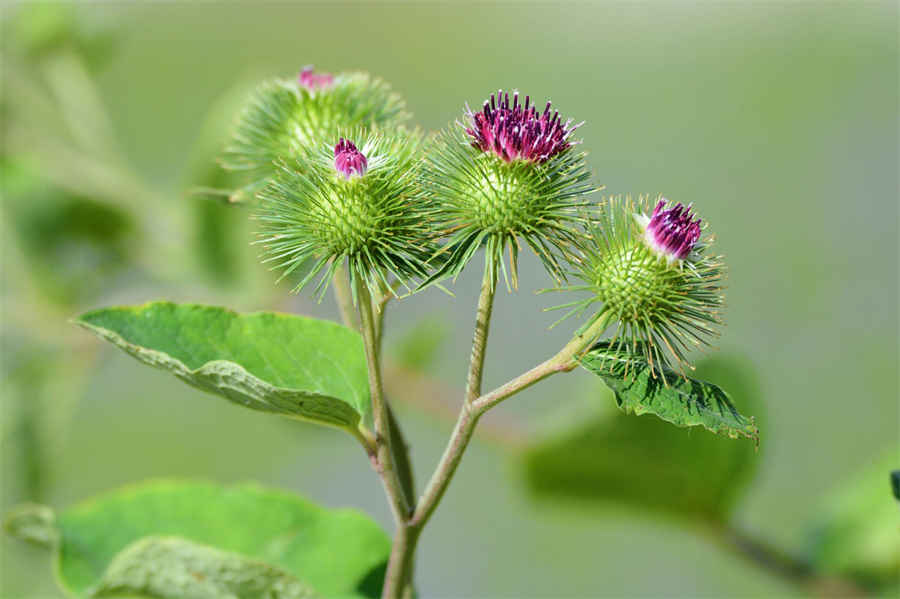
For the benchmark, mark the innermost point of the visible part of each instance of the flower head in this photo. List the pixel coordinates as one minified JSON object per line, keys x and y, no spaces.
{"x":313,"y":221}
{"x":661,"y":308}
{"x":518,"y":132}
{"x":671,"y":233}
{"x":509,"y":179}
{"x":349,"y":161}
{"x":287,"y":120}
{"x":313,"y":81}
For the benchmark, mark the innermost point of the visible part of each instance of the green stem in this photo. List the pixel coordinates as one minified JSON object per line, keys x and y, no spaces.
{"x":400,"y":564}
{"x":383,"y":459}
{"x":482,"y":327}
{"x":563,"y":361}
{"x":344,"y":296}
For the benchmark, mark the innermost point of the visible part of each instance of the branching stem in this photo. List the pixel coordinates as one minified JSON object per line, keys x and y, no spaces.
{"x":383,"y":458}
{"x":399,"y":573}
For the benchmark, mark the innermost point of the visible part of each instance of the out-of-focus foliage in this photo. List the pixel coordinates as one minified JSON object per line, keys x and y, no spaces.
{"x":647,"y":463}
{"x":336,"y":552}
{"x":856,"y":531}
{"x":74,"y":245}
{"x":420,"y":346}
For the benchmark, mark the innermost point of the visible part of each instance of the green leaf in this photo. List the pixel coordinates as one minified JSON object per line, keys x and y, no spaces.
{"x":647,"y":464}
{"x":337,"y":553}
{"x":855,"y":532}
{"x":33,"y":523}
{"x":679,"y":400}
{"x":290,"y":365}
{"x":174,"y":568}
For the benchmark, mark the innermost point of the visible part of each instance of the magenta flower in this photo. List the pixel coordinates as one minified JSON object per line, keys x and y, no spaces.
{"x":518,"y":132}
{"x":349,"y":161}
{"x":672,"y":232}
{"x":313,"y":81}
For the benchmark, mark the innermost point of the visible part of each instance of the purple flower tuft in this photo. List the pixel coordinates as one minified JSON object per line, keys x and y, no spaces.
{"x":313,"y":81}
{"x":349,"y":161}
{"x":672,"y":232}
{"x":518,"y":132}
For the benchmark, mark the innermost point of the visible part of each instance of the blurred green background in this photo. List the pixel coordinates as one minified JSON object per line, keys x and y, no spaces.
{"x":778,"y":120}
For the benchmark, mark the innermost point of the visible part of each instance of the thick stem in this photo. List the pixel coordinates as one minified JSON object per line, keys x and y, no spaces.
{"x":398,"y":578}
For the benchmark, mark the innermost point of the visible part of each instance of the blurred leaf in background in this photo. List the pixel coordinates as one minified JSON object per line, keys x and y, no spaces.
{"x":336,"y":552}
{"x":73,"y":246}
{"x":646,"y":463}
{"x":856,"y":530}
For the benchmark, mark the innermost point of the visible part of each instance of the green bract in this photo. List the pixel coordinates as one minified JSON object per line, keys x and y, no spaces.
{"x":311,"y":215}
{"x":479,"y":199}
{"x":285,"y":120}
{"x":662,"y":308}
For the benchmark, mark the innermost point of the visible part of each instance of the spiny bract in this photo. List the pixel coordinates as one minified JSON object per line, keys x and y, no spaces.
{"x":663,"y":303}
{"x":289,"y":118}
{"x":506,"y":176}
{"x":356,"y":200}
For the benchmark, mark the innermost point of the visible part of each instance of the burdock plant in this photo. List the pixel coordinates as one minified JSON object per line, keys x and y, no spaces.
{"x":289,"y":118}
{"x":345,"y":196}
{"x":653,"y":278}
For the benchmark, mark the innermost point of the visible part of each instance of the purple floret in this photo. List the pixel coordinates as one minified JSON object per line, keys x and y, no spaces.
{"x":673,"y":231}
{"x":349,"y":161}
{"x":313,"y":81}
{"x":518,"y":132}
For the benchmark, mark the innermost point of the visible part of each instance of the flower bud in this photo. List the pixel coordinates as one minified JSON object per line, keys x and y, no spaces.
{"x":518,"y":132}
{"x":662,"y":307}
{"x":287,"y":120}
{"x":506,"y":177}
{"x":349,"y":161}
{"x":312,"y":81}
{"x":313,"y":221}
{"x":671,"y":233}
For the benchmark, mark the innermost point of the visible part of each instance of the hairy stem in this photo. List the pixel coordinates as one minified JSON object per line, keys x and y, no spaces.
{"x":468,"y":418}
{"x":479,"y":339}
{"x":383,"y":459}
{"x":563,"y":361}
{"x":344,"y":296}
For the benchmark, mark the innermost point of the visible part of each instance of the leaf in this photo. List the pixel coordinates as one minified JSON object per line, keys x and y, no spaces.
{"x":174,"y":568}
{"x":645,"y":463}
{"x":290,"y":365}
{"x":33,"y":523}
{"x":856,"y":532}
{"x":336,"y":552}
{"x":676,"y":399}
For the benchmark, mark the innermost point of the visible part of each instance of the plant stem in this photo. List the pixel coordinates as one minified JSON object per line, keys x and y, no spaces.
{"x":384,"y":459}
{"x":400,"y":565}
{"x":396,"y":577}
{"x":344,"y":296}
{"x":563,"y":361}
{"x":479,"y":338}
